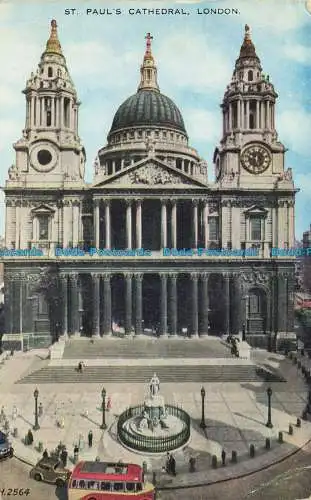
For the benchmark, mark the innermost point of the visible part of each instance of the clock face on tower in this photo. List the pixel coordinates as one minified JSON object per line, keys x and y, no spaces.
{"x":255,"y":159}
{"x":43,"y":157}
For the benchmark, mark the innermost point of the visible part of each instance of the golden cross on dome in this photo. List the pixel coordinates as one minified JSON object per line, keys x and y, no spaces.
{"x":148,"y":37}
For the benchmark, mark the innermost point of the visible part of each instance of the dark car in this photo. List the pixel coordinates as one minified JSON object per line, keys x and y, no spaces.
{"x":50,"y":470}
{"x":6,"y":450}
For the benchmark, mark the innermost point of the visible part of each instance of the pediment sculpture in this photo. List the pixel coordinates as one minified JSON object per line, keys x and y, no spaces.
{"x":151,"y":175}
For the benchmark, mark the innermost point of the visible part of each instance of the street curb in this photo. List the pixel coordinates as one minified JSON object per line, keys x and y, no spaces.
{"x":237,"y":476}
{"x":23,"y":460}
{"x":211,"y":482}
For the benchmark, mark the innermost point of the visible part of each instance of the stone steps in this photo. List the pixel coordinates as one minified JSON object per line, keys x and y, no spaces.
{"x":145,"y":348}
{"x":167,"y":374}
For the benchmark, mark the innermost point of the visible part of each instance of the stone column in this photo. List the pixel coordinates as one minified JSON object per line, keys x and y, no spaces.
{"x":230,"y":117}
{"x":96,"y":304}
{"x":257,"y":115}
{"x":129,"y":223}
{"x":74,"y":303}
{"x":96,"y":223}
{"x":239,"y":114}
{"x":242,"y":115}
{"x":204,"y":304}
{"x":174,"y":224}
{"x":173,"y":303}
{"x":247,"y":115}
{"x":280,"y":224}
{"x":226,"y":278}
{"x":107,"y":304}
{"x":128,"y":303}
{"x":195,"y":223}
{"x":138,"y":224}
{"x":138,"y":304}
{"x":64,"y":300}
{"x":263,"y":118}
{"x":107,"y":225}
{"x":268,"y":115}
{"x":52,"y":113}
{"x":163,"y":326}
{"x":163,"y":224}
{"x":17,"y":225}
{"x":237,"y":302}
{"x":291,"y":224}
{"x":76,"y":223}
{"x":8,"y":304}
{"x":195,"y":309}
{"x":205,"y":225}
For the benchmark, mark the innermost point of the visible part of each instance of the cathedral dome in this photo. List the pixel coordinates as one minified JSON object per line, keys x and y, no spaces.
{"x":150,"y":108}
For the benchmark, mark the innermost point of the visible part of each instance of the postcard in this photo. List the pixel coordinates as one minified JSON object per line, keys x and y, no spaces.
{"x":155,"y":284}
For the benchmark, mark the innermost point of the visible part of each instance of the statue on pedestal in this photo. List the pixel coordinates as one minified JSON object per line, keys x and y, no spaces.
{"x":154,"y":385}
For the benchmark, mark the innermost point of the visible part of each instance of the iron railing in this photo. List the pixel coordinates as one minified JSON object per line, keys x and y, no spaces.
{"x":153,"y":444}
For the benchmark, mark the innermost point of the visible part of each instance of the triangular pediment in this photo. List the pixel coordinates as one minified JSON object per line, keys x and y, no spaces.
{"x":149,"y":172}
{"x":42,"y":210}
{"x":255,"y":210}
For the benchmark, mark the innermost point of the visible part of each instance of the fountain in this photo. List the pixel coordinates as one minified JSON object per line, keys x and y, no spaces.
{"x":154,"y":427}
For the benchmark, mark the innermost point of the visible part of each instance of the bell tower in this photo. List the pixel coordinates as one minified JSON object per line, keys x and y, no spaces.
{"x":50,"y":150}
{"x":249,"y":153}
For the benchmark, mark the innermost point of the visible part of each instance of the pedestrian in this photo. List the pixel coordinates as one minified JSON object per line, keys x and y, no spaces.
{"x":40,"y":412}
{"x":109,"y":403}
{"x":30,"y":437}
{"x":90,"y":439}
{"x":172,"y":465}
{"x":168,"y":463}
{"x":45,"y":454}
{"x":64,"y":456}
{"x":191,"y":464}
{"x":76,"y":453}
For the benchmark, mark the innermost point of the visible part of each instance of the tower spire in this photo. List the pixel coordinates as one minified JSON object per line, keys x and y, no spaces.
{"x":248,"y":48}
{"x":148,"y":69}
{"x":53,"y":45}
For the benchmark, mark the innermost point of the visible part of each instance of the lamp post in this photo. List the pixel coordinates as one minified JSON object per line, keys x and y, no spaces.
{"x":104,"y":426}
{"x":203,"y":424}
{"x":246,"y":313}
{"x":269,"y":394}
{"x":36,"y":426}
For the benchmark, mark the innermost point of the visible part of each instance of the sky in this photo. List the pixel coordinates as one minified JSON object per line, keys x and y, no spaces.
{"x":195,"y":55}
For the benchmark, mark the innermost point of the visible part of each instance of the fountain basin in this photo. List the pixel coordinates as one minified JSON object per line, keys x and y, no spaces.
{"x":159,"y":439}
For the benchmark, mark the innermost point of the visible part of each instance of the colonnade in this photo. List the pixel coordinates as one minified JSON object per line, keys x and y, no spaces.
{"x":237,"y":115}
{"x":168,"y":213}
{"x":199,"y":298}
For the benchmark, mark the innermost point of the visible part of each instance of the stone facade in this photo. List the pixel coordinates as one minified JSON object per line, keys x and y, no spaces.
{"x":150,"y":191}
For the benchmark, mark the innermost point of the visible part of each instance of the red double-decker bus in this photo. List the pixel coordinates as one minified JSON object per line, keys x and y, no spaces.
{"x":109,"y":481}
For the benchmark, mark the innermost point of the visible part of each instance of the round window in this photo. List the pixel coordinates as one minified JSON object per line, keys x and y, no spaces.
{"x":44,"y":157}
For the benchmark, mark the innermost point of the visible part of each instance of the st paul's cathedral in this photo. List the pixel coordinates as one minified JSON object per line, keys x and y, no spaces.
{"x":135,"y":251}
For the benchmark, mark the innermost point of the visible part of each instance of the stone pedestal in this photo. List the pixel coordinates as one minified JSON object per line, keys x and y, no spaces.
{"x":155,"y":406}
{"x":244,"y":350}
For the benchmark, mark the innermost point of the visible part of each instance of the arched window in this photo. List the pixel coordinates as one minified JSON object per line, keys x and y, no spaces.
{"x":50,"y":71}
{"x":250,"y":75}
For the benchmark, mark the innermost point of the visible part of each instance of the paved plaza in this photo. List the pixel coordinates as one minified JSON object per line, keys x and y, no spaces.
{"x":236,"y":414}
